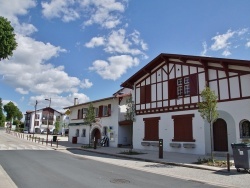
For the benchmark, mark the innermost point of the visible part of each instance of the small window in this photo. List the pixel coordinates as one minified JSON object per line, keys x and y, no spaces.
{"x":245,"y":129}
{"x":186,"y":90}
{"x":77,"y":132}
{"x":186,"y":80}
{"x":179,"y":82}
{"x":105,"y":111}
{"x":96,"y":112}
{"x":84,"y":133}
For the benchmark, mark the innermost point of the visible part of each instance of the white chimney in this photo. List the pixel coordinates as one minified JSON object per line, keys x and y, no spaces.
{"x":75,"y":101}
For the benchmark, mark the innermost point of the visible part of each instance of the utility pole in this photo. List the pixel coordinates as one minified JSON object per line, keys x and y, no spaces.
{"x":35,"y":119}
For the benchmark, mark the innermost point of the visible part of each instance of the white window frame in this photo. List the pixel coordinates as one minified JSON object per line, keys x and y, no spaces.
{"x":105,"y":110}
{"x":83,"y":132}
{"x":96,"y":112}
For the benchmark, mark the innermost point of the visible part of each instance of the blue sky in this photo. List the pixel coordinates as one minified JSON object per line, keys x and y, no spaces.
{"x":86,"y":48}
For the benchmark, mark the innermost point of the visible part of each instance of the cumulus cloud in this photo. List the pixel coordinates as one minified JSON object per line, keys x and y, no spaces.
{"x":94,"y":42}
{"x":105,"y":13}
{"x":64,"y":9}
{"x":114,"y":67}
{"x":119,"y":42}
{"x":227,"y":42}
{"x":86,"y":83}
{"x":36,"y":76}
{"x":58,"y":102}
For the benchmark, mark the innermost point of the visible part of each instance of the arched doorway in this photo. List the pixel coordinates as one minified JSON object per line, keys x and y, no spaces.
{"x":220,"y":135}
{"x":96,"y":134}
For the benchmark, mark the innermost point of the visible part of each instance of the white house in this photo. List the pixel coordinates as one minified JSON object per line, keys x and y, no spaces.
{"x":110,"y":121}
{"x":38,"y":121}
{"x":166,"y":92}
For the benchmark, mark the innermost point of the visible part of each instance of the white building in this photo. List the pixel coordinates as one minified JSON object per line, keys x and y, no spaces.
{"x":110,"y":121}
{"x":166,"y":92}
{"x":38,"y":121}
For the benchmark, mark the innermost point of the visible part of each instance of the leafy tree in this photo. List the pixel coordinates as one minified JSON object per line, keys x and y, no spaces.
{"x":208,"y":110}
{"x":12,"y":112}
{"x":7,"y":39}
{"x":90,"y":117}
{"x":2,"y":116}
{"x":57,"y":126}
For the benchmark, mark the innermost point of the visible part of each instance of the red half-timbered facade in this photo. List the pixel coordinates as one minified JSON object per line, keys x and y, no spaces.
{"x":166,"y":92}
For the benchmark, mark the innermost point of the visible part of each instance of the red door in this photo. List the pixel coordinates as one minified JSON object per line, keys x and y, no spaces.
{"x":220,"y":135}
{"x":97,"y":134}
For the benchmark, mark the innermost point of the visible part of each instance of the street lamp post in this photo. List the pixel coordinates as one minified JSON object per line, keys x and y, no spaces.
{"x":34,"y":119}
{"x":48,"y":120}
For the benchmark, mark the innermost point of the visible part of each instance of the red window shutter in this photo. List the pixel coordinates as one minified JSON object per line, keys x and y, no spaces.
{"x":143,"y":95}
{"x":109,"y":110}
{"x":151,"y":126}
{"x":193,"y":80}
{"x":100,"y":111}
{"x":148,"y":93}
{"x":172,"y":89}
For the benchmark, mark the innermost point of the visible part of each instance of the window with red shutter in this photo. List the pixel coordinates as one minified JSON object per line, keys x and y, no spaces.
{"x":100,"y":111}
{"x":151,"y":128}
{"x":183,"y":128}
{"x":145,"y":94}
{"x":172,"y":89}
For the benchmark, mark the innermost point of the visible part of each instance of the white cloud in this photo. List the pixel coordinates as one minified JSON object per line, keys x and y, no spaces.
{"x":64,"y":9}
{"x":105,"y":13}
{"x":22,"y":91}
{"x":204,"y":45}
{"x":248,"y":44}
{"x":115,"y":67}
{"x":227,"y":42}
{"x":221,"y":41}
{"x":119,"y":42}
{"x":28,"y":65}
{"x":58,"y":102}
{"x":96,"y":41}
{"x":86,"y":84}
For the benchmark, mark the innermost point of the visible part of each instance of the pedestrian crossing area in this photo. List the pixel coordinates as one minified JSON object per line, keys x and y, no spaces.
{"x":24,"y":147}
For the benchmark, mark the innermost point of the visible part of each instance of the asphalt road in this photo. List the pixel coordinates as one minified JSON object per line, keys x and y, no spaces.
{"x":30,"y":166}
{"x":53,"y":169}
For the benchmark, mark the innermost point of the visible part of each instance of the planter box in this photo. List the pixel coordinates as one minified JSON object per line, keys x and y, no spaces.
{"x":187,"y":145}
{"x":156,"y":144}
{"x":145,"y":143}
{"x":175,"y":145}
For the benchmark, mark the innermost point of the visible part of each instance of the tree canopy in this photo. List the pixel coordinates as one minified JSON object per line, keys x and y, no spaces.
{"x":7,"y":39}
{"x":2,"y":116}
{"x":12,"y":112}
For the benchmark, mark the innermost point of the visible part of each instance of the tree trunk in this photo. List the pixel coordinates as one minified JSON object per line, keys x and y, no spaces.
{"x":211,"y":142}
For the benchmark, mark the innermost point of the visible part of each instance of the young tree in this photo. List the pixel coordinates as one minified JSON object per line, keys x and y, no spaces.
{"x":7,"y":39}
{"x":208,"y":111}
{"x":57,"y":126}
{"x":90,"y":117}
{"x":2,"y":116}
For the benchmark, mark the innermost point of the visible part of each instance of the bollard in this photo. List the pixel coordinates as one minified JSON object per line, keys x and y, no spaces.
{"x":42,"y":141}
{"x":228,"y":162}
{"x":39,"y":140}
{"x":35,"y":139}
{"x":51,"y":143}
{"x":27,"y":137}
{"x":94,"y":143}
{"x":160,"y":148}
{"x":57,"y":143}
{"x":32,"y":138}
